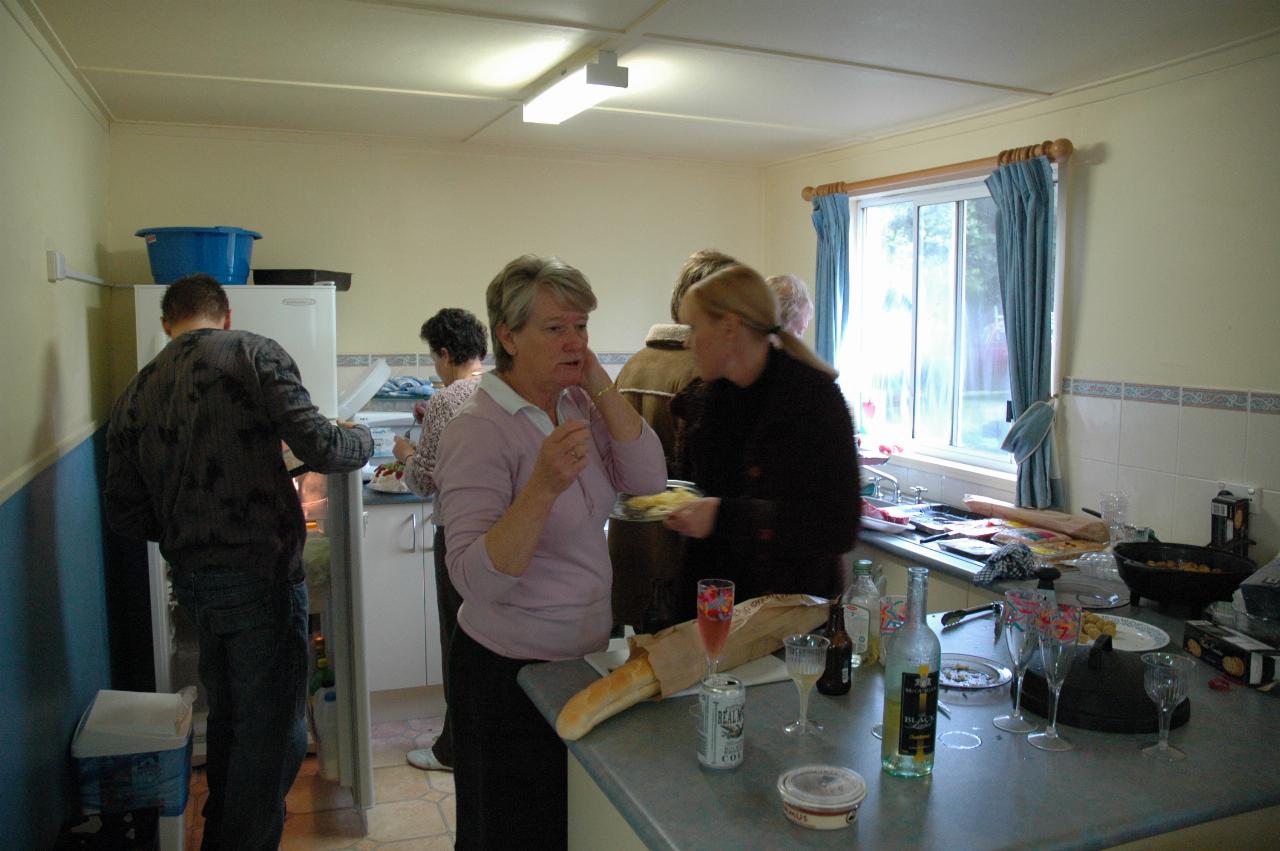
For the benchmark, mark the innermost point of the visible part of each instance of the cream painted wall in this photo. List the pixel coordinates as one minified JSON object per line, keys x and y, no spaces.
{"x":1174,"y":197}
{"x":422,"y":229}
{"x":53,"y":180}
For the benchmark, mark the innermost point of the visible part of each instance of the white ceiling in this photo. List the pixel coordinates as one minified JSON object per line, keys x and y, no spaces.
{"x":737,"y":81}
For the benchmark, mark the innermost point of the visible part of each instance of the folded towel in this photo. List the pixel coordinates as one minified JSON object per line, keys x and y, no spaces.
{"x":1012,"y":561}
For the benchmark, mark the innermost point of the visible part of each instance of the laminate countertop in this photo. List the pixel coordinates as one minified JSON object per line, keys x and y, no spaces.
{"x":990,"y":789}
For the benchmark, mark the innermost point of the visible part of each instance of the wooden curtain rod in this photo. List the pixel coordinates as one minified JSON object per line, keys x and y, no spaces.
{"x":1057,"y":151}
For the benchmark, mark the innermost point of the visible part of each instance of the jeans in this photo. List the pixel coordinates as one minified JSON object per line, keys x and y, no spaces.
{"x":253,"y":666}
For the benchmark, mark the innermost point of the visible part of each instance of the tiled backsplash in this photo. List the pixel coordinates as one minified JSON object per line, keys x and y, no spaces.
{"x":1168,"y":448}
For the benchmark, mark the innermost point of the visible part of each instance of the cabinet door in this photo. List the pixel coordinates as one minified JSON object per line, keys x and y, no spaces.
{"x":394,"y":596}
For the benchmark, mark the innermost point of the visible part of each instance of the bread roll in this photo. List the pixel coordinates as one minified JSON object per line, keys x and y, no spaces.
{"x":606,"y":697}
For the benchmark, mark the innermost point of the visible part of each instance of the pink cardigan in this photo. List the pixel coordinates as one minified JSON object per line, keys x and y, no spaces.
{"x":560,"y":608}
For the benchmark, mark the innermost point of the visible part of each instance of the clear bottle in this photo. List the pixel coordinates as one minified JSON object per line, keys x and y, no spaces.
{"x":327,"y":733}
{"x":861,"y":604}
{"x":911,"y":688}
{"x":835,"y":676}
{"x":877,"y":574}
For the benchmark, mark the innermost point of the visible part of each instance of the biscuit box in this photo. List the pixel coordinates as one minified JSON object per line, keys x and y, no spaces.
{"x":1232,"y":652}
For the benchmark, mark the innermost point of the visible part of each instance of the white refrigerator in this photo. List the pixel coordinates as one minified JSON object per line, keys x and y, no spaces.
{"x":303,"y":320}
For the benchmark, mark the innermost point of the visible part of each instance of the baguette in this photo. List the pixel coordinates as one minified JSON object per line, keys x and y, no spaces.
{"x":606,"y":697}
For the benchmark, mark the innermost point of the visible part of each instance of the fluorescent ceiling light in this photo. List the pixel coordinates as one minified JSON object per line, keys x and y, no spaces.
{"x":575,"y":92}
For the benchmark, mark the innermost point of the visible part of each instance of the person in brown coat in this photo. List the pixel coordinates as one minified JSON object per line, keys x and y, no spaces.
{"x":644,"y":568}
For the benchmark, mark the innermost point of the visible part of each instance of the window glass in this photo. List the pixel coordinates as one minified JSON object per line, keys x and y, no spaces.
{"x":923,"y":360}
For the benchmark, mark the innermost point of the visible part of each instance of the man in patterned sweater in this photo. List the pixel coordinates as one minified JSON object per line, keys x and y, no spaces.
{"x":194,"y":462}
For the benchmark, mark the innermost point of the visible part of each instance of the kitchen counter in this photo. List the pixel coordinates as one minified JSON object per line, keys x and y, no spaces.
{"x":990,"y":789}
{"x":373,"y":497}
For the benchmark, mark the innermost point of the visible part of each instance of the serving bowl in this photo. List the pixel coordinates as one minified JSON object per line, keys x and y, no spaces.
{"x":1183,"y":587}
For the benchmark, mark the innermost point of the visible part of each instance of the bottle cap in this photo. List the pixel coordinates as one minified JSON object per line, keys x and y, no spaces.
{"x":862,"y":567}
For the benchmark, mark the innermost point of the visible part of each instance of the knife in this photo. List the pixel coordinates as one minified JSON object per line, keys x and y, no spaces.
{"x":954,"y":617}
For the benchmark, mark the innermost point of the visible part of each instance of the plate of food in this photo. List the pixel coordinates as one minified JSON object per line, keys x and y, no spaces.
{"x":389,"y":478}
{"x":877,"y":525}
{"x":651,"y":507}
{"x":961,"y":671}
{"x":1126,"y":633}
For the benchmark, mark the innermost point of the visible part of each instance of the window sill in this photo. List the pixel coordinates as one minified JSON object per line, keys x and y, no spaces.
{"x":984,"y":476}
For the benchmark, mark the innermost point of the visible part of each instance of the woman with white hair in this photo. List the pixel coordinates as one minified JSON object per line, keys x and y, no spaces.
{"x":528,"y":471}
{"x":774,"y":452}
{"x":795,"y":308}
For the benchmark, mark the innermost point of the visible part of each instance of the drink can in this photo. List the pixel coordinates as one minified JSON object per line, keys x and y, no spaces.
{"x":720,"y":736}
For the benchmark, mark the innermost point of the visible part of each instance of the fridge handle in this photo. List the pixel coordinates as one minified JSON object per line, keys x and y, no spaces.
{"x":413,"y":516}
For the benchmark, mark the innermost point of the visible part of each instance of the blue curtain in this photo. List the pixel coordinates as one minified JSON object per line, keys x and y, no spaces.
{"x":831,"y":284}
{"x":1023,"y":195}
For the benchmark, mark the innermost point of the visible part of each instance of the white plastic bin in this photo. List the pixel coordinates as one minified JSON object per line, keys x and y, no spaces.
{"x":133,"y":750}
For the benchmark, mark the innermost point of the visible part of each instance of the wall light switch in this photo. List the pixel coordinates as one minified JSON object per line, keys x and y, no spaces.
{"x":55,"y":266}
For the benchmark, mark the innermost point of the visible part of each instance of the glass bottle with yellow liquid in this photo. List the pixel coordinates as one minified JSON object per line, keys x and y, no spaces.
{"x":911,"y":688}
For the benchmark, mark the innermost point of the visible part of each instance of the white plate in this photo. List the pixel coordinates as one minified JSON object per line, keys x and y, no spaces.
{"x":1091,"y":593}
{"x":766,"y":669}
{"x":1134,"y":636}
{"x":884,"y":526}
{"x":977,"y":672}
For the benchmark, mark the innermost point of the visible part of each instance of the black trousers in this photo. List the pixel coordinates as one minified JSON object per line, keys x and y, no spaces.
{"x":448,"y":601}
{"x":510,"y":773}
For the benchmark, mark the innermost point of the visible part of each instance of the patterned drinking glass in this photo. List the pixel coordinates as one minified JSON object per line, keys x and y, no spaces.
{"x":1167,"y":678}
{"x":1021,"y":615}
{"x":1059,"y":630}
{"x":715,"y":617}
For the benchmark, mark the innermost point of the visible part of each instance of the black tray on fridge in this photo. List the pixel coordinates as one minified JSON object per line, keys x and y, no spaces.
{"x":301,"y":278}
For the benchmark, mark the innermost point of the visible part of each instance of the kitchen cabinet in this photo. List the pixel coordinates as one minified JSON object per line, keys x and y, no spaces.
{"x":401,"y":621}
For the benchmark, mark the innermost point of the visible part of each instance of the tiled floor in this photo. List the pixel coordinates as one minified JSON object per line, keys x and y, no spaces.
{"x":414,"y":810}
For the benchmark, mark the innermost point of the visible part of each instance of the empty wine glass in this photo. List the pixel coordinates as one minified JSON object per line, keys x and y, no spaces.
{"x":806,"y":659}
{"x":715,"y":616}
{"x":1058,"y":628}
{"x":1021,"y":616}
{"x":1167,"y":678}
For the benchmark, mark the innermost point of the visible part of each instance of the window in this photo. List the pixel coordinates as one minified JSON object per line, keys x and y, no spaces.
{"x":923,"y":358}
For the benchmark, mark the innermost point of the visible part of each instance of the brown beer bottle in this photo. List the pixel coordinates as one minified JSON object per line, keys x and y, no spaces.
{"x":835,"y":677}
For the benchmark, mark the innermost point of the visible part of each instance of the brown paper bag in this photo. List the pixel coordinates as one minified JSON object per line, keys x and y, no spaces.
{"x":759,"y":625}
{"x":1085,"y":528}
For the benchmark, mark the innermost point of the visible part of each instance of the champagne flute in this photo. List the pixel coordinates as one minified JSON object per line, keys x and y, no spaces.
{"x":715,"y":616}
{"x":1021,"y":614}
{"x":1059,"y":630}
{"x":1166,"y":678}
{"x":806,"y":659}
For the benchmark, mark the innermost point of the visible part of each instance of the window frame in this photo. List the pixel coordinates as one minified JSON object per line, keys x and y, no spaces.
{"x":945,"y":191}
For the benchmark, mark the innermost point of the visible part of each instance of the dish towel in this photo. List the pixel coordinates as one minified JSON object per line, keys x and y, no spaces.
{"x":1012,"y":561}
{"x":406,"y":386}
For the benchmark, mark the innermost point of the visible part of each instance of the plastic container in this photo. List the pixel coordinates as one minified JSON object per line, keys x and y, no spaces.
{"x":133,"y":750}
{"x":221,"y":252}
{"x":821,"y":797}
{"x":327,"y":733}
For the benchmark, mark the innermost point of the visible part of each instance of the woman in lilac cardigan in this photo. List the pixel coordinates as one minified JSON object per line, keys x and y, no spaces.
{"x":528,"y":472}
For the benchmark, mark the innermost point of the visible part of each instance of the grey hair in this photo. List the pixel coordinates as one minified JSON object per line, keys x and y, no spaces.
{"x":794,"y":304}
{"x":509,"y":297}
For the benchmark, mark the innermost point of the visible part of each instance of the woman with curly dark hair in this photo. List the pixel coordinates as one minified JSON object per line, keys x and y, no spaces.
{"x":457,"y":341}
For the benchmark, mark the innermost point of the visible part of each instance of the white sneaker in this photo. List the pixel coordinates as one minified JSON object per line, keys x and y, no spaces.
{"x":425,"y":759}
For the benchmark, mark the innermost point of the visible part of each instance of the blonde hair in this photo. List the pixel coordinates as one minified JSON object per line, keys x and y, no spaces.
{"x":742,"y":291}
{"x":794,"y":305}
{"x":509,"y":298}
{"x":700,"y":264}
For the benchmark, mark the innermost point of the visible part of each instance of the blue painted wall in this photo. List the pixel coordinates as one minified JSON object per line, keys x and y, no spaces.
{"x":67,"y":591}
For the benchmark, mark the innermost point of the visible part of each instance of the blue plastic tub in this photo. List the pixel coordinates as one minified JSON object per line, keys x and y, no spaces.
{"x":221,"y":252}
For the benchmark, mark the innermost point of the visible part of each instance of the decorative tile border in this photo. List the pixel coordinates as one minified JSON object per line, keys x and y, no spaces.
{"x":1160,"y":393}
{"x":418,"y":359}
{"x":1199,"y":397}
{"x":1264,"y":403}
{"x":1091,"y":387}
{"x":1164,"y":394}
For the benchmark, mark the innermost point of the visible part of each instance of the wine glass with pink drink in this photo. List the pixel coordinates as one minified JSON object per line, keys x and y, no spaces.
{"x":715,"y":616}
